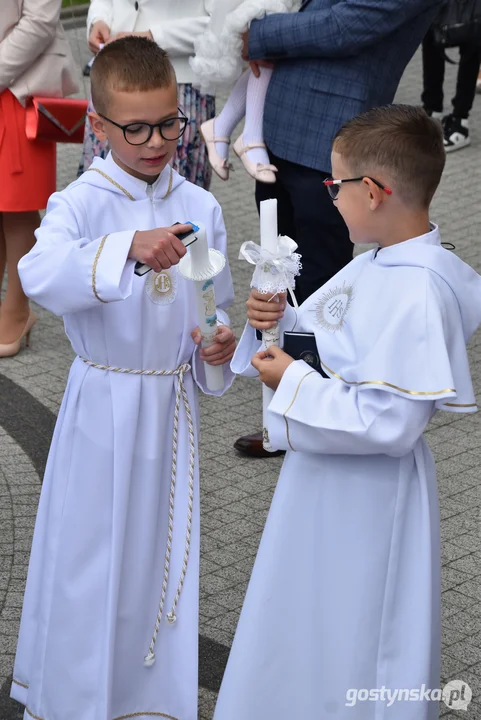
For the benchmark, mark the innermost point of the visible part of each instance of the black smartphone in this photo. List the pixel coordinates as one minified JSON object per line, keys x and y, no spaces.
{"x":186,"y":238}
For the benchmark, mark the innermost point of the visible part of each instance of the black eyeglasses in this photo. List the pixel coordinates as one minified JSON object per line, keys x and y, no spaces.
{"x":334,"y":186}
{"x":140,"y":133}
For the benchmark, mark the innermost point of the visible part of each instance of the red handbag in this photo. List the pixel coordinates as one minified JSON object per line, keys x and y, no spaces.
{"x":55,"y":119}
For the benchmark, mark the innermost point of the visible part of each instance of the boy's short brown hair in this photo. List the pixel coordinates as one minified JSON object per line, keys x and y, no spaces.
{"x":130,"y":63}
{"x":401,"y":141}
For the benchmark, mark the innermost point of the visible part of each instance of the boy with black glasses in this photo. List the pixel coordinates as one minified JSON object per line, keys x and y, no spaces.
{"x":344,"y":600}
{"x":110,"y":619}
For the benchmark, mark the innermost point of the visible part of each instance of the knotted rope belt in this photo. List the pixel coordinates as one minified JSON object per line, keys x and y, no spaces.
{"x":180,"y":394}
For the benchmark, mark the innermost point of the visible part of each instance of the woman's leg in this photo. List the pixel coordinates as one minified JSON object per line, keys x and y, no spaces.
{"x":18,"y":230}
{"x":3,"y":252}
{"x":253,"y":129}
{"x":232,"y":113}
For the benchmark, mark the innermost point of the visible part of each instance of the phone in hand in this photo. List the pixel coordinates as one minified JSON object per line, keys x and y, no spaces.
{"x":186,"y":238}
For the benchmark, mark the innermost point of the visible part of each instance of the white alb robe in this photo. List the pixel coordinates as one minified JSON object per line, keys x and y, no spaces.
{"x":96,"y":567}
{"x":345,"y":592}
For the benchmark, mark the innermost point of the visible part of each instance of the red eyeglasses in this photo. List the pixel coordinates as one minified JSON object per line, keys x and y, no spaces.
{"x":333,"y":186}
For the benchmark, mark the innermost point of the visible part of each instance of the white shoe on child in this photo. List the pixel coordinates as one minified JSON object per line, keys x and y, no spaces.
{"x":259,"y":171}
{"x":219,"y":165}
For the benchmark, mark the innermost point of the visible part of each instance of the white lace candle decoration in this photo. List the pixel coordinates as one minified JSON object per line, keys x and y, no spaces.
{"x":202,"y":264}
{"x":276,"y":267}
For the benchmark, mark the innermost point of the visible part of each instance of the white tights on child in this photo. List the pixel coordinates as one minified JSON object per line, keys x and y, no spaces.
{"x":247,"y":98}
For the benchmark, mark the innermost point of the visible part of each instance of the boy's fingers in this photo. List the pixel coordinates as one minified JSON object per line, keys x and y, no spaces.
{"x":264,"y":316}
{"x":196,"y":336}
{"x":219,"y":358}
{"x":171,"y":254}
{"x":162,"y":260}
{"x":266,"y":297}
{"x":274,"y":351}
{"x":179,"y":229}
{"x":225,"y":335}
{"x":177,"y":245}
{"x":261,"y":303}
{"x":267,"y":310}
{"x":261,"y":325}
{"x":211,"y":350}
{"x":216,"y":349}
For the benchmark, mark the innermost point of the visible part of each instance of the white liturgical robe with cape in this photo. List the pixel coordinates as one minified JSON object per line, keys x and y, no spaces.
{"x":97,"y":563}
{"x":345,"y":592}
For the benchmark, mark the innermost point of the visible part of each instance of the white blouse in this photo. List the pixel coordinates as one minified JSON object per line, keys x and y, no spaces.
{"x":174,"y":24}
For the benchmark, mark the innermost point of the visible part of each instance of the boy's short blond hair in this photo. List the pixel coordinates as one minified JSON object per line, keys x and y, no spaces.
{"x":400,"y":141}
{"x":129,"y":64}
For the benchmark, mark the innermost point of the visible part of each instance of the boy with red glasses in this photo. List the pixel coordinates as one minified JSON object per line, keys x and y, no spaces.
{"x":344,"y":598}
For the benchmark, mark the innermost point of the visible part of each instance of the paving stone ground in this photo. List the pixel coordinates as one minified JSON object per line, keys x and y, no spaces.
{"x":236,"y":491}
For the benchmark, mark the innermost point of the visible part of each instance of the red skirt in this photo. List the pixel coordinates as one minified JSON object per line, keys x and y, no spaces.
{"x":27,"y":167}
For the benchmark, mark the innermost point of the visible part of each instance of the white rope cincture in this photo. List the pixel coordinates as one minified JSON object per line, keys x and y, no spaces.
{"x":181,"y":394}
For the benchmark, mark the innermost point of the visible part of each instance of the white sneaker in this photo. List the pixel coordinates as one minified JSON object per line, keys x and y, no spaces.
{"x":456,"y":133}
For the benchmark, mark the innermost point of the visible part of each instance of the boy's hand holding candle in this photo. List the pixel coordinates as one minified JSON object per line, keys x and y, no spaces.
{"x":271,"y":365}
{"x":264,"y":311}
{"x":223,"y":348}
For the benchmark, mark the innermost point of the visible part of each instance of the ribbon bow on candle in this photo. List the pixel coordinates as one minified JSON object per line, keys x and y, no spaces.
{"x":275,"y":272}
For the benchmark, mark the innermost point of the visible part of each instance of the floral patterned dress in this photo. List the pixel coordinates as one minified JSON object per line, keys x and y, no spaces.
{"x":190,"y":159}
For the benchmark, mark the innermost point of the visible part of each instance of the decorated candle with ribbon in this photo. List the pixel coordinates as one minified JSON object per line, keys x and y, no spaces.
{"x":268,"y":218}
{"x":276,"y":266}
{"x":202,"y":264}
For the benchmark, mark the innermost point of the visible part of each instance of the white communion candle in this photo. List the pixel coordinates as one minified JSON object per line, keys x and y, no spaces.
{"x":205,"y":294}
{"x":201,"y":264}
{"x":199,"y":254}
{"x":269,"y":241}
{"x":269,"y":225}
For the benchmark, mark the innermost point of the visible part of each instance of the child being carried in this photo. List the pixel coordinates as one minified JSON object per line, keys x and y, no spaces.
{"x":218,"y":62}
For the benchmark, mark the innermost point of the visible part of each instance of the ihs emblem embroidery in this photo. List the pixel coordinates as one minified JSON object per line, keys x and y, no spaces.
{"x":162,"y":287}
{"x":331,"y":310}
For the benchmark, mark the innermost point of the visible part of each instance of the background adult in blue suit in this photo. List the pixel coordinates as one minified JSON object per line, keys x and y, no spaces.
{"x":333,"y":60}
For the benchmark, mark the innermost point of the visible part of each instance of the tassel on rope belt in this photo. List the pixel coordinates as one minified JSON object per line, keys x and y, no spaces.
{"x":180,"y":394}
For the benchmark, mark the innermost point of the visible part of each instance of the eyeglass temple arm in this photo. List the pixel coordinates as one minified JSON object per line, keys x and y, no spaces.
{"x":387,"y":190}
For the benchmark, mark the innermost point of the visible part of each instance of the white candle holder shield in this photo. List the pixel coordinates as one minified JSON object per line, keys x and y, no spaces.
{"x":201,"y":265}
{"x":276,"y":267}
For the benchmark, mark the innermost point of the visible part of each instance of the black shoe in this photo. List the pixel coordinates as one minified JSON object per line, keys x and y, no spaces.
{"x":252,"y":446}
{"x":86,"y":70}
{"x":456,"y":133}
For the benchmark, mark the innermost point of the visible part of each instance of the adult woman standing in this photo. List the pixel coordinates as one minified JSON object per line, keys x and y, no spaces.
{"x":174,"y":25}
{"x":34,"y":60}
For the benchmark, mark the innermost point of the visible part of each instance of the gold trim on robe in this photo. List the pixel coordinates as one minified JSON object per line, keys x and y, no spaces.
{"x":460,"y":404}
{"x":386,"y":384}
{"x":94,"y":269}
{"x":121,"y":717}
{"x":126,"y":192}
{"x":292,"y":403}
{"x":107,"y":177}
{"x":17,"y":682}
